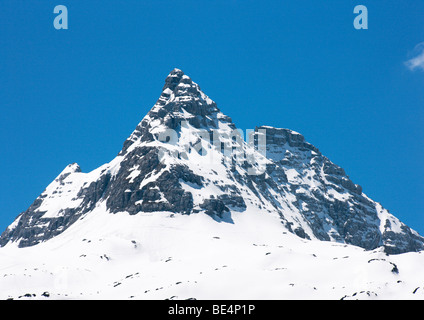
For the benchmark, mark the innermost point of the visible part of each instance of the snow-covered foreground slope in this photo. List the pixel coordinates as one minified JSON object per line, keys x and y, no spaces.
{"x":166,"y":256}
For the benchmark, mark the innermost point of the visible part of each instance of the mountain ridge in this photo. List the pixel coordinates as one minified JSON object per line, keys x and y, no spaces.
{"x":158,"y":171}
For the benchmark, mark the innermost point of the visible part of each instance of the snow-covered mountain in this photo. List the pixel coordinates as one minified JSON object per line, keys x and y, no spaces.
{"x":187,"y":193}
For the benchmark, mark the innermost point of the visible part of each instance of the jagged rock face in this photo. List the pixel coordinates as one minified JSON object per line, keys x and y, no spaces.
{"x":333,"y":206}
{"x":40,"y":222}
{"x":181,"y":100}
{"x":186,"y":157}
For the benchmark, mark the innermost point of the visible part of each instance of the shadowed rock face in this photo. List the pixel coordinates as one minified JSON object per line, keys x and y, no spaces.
{"x":314,"y":198}
{"x":334,"y":206}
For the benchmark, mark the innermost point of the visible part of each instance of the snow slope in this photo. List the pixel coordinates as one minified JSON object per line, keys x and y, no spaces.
{"x":166,"y":256}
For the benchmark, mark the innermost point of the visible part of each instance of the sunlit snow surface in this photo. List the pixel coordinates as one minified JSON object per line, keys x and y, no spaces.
{"x":165,"y":256}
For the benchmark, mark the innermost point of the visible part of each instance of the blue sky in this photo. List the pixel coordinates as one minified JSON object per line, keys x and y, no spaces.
{"x":75,"y":95}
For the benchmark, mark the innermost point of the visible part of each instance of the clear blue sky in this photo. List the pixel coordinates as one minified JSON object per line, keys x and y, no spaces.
{"x":75,"y":95}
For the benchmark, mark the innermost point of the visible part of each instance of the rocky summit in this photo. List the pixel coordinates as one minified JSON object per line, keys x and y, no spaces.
{"x":188,"y":158}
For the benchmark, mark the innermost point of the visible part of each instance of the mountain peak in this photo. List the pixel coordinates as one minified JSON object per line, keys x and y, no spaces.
{"x":69,"y":169}
{"x":188,"y":174}
{"x":181,"y":90}
{"x":181,"y":100}
{"x":173,"y":79}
